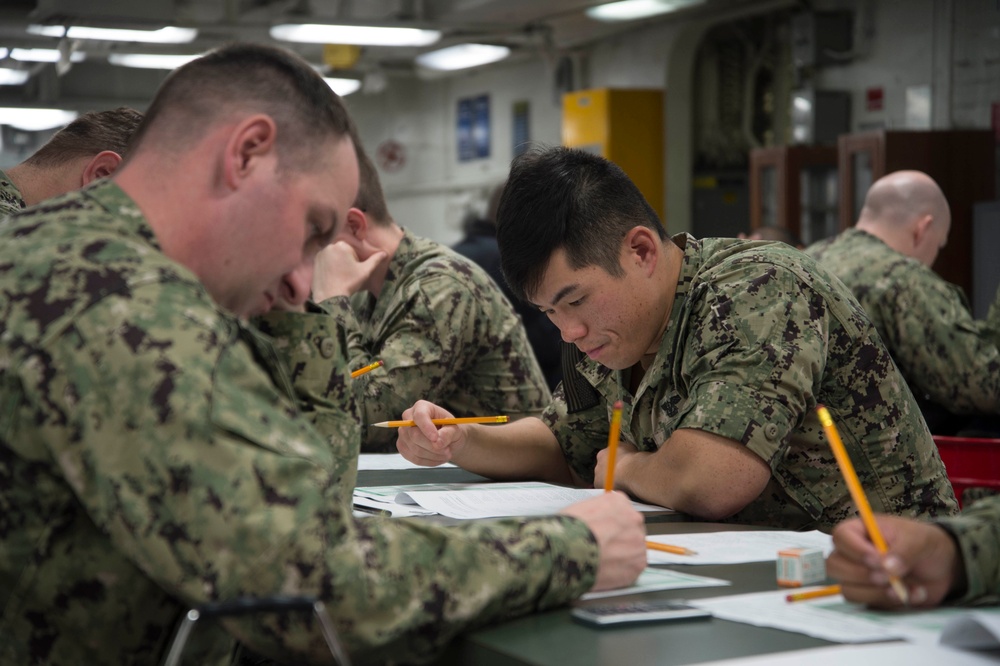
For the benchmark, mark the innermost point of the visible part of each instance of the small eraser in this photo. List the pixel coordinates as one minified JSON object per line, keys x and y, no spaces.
{"x":800,"y":566}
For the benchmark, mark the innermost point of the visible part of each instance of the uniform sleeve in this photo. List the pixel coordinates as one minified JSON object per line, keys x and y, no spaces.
{"x":203,"y":472}
{"x":424,"y":345}
{"x":993,"y":319}
{"x":942,"y":351}
{"x":977,"y":532}
{"x":753,"y":356}
{"x":580,"y":434}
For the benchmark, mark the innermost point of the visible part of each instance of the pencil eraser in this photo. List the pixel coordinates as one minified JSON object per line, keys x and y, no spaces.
{"x":800,"y":566}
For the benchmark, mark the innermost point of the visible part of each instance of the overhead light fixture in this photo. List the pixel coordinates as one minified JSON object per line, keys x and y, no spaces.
{"x":150,"y":60}
{"x":343,"y":87}
{"x":462,"y":56}
{"x":44,"y":55}
{"x":314,"y":33}
{"x":630,"y":10}
{"x":35,"y":120}
{"x":168,"y":35}
{"x":13,"y":77}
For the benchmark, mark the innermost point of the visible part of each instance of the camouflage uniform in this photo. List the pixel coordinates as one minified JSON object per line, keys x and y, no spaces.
{"x":11,"y":200}
{"x":152,"y":458}
{"x":977,"y":532}
{"x":446,"y":333}
{"x":946,"y":356}
{"x":757,"y":336}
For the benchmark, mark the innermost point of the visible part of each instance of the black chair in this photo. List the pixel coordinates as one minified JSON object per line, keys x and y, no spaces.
{"x":246,"y":607}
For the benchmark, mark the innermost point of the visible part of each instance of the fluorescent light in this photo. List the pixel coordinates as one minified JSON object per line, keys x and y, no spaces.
{"x":150,"y":60}
{"x":313,"y":33}
{"x":629,"y":10}
{"x":34,"y":120}
{"x":3,"y":53}
{"x":343,"y":87}
{"x":168,"y":35}
{"x":462,"y":56}
{"x":13,"y":77}
{"x":44,"y":55}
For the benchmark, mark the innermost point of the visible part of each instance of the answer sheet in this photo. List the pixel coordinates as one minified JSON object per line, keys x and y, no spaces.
{"x":652,"y":580}
{"x":835,"y":619}
{"x":381,"y":461}
{"x":495,"y":500}
{"x":477,"y":500}
{"x":881,"y":654}
{"x":736,"y":547}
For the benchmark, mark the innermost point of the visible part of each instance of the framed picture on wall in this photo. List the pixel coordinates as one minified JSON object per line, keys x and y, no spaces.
{"x":473,"y":128}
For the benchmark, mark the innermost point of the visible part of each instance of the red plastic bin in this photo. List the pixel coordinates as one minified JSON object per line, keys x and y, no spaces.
{"x":971,"y":462}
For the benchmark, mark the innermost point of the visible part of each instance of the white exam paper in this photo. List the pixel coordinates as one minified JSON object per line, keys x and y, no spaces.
{"x":833,"y":618}
{"x":880,"y":654}
{"x":651,"y":580}
{"x":497,"y":500}
{"x":973,"y":630}
{"x":383,"y":461}
{"x":735,"y":547}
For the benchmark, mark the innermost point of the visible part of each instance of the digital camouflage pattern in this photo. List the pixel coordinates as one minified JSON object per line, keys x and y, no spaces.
{"x":977,"y":532}
{"x":153,"y":458}
{"x":758,"y":336}
{"x":446,"y":333}
{"x":11,"y":200}
{"x":947,"y":357}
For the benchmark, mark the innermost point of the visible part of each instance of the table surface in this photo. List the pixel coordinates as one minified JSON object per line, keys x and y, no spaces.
{"x":553,"y":638}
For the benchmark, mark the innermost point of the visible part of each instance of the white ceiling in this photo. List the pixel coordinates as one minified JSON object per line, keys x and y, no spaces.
{"x":527,"y":26}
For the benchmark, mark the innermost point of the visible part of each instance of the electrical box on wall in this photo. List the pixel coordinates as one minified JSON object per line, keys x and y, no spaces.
{"x":820,"y":116}
{"x":821,"y":38}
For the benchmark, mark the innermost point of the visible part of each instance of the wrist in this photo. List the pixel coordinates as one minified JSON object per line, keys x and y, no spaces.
{"x":625,"y":470}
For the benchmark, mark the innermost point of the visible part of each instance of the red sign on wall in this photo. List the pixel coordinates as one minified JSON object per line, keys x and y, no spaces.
{"x":874,"y":99}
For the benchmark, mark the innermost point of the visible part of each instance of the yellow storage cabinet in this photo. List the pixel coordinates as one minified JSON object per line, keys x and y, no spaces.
{"x":625,"y":126}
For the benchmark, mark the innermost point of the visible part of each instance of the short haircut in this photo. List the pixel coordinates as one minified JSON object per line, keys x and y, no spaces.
{"x":564,"y":198}
{"x":252,"y":78}
{"x":371,"y":198}
{"x":90,"y":134}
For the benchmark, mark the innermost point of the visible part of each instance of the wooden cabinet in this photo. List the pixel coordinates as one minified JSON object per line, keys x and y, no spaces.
{"x":795,"y":187}
{"x":961,"y":161}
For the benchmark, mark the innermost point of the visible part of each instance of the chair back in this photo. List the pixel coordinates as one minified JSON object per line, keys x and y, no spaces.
{"x":971,"y":462}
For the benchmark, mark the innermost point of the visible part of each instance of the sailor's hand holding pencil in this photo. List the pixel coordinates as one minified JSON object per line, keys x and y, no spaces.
{"x":920,"y":554}
{"x":424,"y":442}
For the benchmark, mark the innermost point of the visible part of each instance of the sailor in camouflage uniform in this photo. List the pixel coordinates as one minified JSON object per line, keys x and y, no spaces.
{"x":11,"y":200}
{"x":153,"y":454}
{"x":90,"y":147}
{"x":719,"y":349}
{"x":955,"y":560}
{"x":950,"y":360}
{"x":441,"y":326}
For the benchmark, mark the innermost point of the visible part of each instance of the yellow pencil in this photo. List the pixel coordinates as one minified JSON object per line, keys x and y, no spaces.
{"x":616,"y":425}
{"x":858,"y":494}
{"x":827,"y":591}
{"x":667,"y":548}
{"x":367,"y":368}
{"x":447,"y":421}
